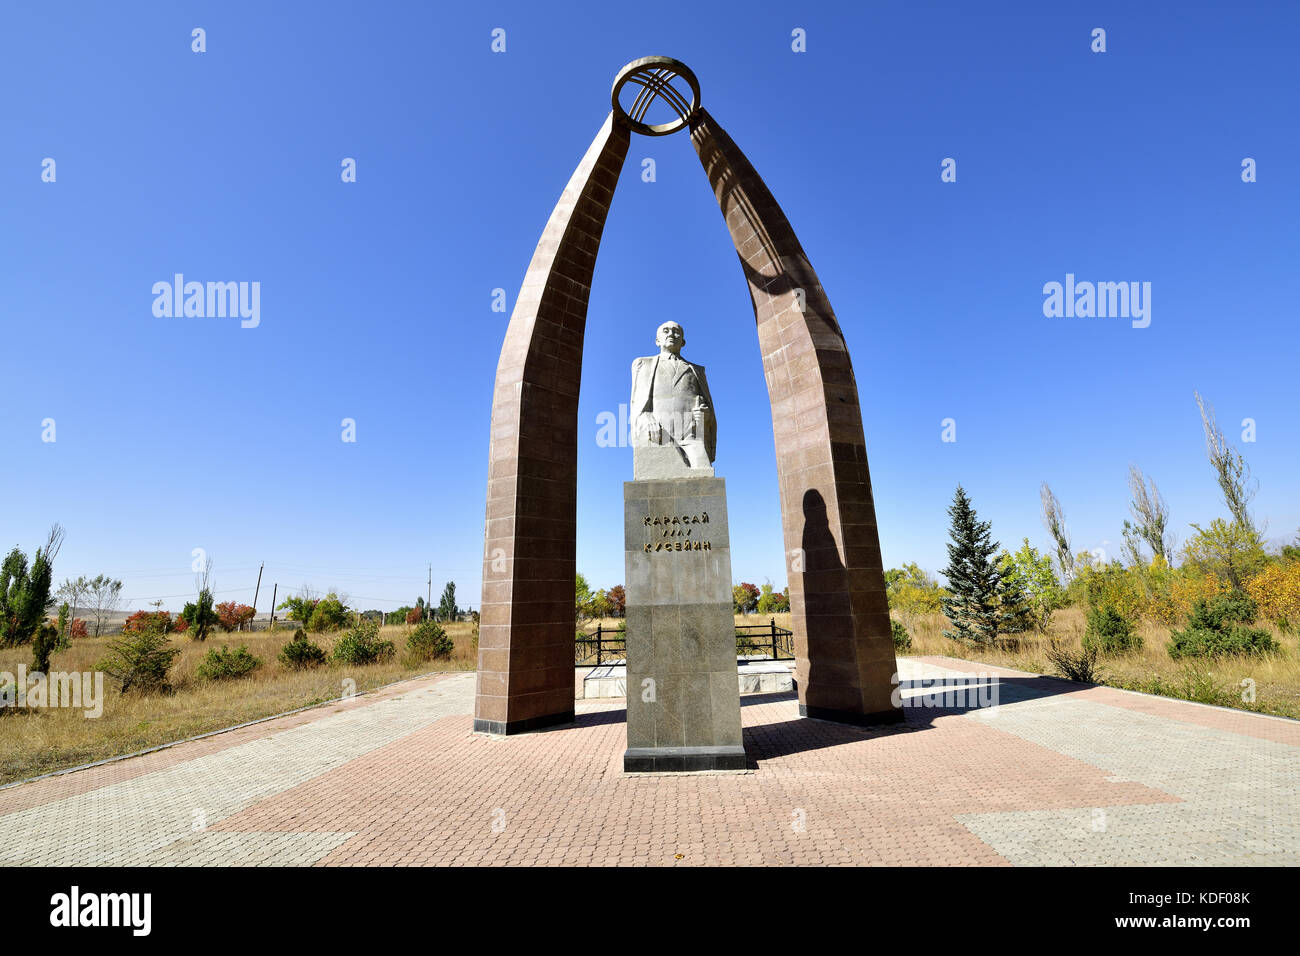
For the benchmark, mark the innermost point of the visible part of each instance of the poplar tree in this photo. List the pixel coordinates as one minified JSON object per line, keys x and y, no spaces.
{"x":25,"y":592}
{"x":1054,"y":522}
{"x":447,"y":609}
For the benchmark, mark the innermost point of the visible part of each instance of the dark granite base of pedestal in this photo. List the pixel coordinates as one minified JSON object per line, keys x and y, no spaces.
{"x":505,"y":728}
{"x":892,"y":716}
{"x":683,"y":759}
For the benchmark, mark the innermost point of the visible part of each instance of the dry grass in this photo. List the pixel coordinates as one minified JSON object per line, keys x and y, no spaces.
{"x":1276,"y":677}
{"x":38,"y":740}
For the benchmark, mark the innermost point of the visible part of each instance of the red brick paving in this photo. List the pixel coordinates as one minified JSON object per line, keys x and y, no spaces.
{"x":1278,"y":730}
{"x":868,"y":797}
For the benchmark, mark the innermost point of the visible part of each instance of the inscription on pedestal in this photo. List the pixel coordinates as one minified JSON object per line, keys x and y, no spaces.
{"x":683,"y":704}
{"x":677,"y":533}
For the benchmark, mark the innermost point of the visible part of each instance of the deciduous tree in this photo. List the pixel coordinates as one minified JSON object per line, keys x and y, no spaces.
{"x":1031,"y":574}
{"x":105,"y":595}
{"x":745,"y":597}
{"x":1230,"y":469}
{"x":447,"y":609}
{"x":1150,"y":525}
{"x":1054,"y":522}
{"x":232,"y":616}
{"x":581,"y":597}
{"x":618,"y":601}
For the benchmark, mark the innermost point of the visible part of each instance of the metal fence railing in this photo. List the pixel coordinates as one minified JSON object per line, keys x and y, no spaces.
{"x":607,"y":645}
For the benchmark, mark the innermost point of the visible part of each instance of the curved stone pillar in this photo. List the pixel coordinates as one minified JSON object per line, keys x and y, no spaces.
{"x":844,"y":651}
{"x":526,"y":626}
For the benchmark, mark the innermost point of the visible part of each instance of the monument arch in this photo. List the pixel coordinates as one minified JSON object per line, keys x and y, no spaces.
{"x":845,"y":666}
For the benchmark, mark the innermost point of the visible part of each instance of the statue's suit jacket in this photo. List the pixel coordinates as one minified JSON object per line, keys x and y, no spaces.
{"x":643,"y":380}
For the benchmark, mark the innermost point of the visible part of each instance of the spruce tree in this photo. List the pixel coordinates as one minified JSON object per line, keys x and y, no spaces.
{"x":974,"y":579}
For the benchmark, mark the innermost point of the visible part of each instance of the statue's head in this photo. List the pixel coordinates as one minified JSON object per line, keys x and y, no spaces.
{"x":670,"y":337}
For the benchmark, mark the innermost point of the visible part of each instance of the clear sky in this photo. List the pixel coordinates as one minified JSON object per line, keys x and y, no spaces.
{"x":375,"y":297}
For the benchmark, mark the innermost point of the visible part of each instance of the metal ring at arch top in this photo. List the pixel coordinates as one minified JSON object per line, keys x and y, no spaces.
{"x":654,"y":74}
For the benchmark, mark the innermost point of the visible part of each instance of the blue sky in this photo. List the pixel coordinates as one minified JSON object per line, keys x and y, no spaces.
{"x":181,"y":433}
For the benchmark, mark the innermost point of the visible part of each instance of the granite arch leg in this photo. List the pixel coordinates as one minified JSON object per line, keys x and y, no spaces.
{"x":526,"y":625}
{"x":845,"y":664}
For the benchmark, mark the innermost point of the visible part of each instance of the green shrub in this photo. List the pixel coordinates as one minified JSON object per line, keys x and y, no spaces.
{"x":139,"y":660}
{"x":300,"y":654}
{"x":1221,"y":627}
{"x":199,"y":616}
{"x":362,"y":645}
{"x":1222,"y":611}
{"x":429,"y":641}
{"x":902,"y":640}
{"x":62,"y":643}
{"x":1110,"y":631}
{"x":225,"y":664}
{"x":44,"y":642}
{"x":1081,"y":666}
{"x":1237,"y":640}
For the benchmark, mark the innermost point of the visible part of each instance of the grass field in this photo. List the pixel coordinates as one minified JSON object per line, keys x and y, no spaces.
{"x":1275,"y":677}
{"x":38,"y":740}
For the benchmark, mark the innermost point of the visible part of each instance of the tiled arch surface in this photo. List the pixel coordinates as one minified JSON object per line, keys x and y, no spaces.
{"x":845,"y":657}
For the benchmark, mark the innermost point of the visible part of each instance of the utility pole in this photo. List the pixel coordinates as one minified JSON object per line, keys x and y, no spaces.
{"x":256,"y":591}
{"x":273,"y":593}
{"x":428,"y":598}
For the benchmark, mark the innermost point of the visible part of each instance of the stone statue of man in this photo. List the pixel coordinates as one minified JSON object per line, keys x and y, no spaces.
{"x":671,"y":405}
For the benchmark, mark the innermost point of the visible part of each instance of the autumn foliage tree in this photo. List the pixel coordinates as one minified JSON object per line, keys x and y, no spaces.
{"x":231,"y":616}
{"x":617,"y":600}
{"x":772,"y":602}
{"x":142,"y":621}
{"x":745,"y":597}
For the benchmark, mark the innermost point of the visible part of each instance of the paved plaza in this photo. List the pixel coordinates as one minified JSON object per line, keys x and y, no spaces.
{"x":1056,"y":773}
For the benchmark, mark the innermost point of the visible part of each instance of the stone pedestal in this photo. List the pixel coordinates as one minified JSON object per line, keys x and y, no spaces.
{"x":683,"y":704}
